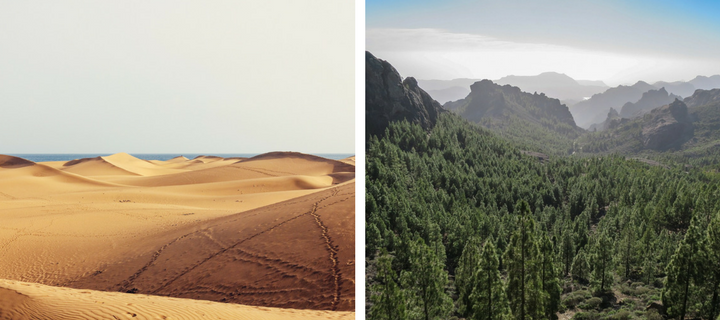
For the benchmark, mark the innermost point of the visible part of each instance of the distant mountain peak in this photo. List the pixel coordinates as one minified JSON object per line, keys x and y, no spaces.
{"x":555,"y":79}
{"x":650,"y":99}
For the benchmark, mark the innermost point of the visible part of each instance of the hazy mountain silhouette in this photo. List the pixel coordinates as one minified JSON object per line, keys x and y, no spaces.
{"x":597,"y":83}
{"x":680,"y":88}
{"x":552,"y":84}
{"x":556,"y":85}
{"x":449,"y":94}
{"x":706,"y":83}
{"x":593,"y":110}
{"x":596,"y":108}
{"x":613,"y":118}
{"x":435,"y":85}
{"x":649,"y":100}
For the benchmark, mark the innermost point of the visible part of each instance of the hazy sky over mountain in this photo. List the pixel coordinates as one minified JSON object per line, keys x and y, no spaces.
{"x":614,"y":41}
{"x":177,"y":76}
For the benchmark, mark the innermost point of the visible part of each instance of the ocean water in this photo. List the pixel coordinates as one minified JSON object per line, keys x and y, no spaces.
{"x":41,"y":157}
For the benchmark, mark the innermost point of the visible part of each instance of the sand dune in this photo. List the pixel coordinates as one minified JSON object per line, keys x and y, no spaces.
{"x":348,"y":160}
{"x":288,"y":163}
{"x":290,"y":254}
{"x":22,"y":300}
{"x":274,"y":230}
{"x":14,"y":162}
{"x":92,"y":167}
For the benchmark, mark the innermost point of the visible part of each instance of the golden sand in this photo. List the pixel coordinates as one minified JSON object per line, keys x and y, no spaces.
{"x":276,"y":230}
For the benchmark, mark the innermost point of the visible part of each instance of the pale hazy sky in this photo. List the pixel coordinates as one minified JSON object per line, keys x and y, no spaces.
{"x":614,"y":41}
{"x":177,"y":76}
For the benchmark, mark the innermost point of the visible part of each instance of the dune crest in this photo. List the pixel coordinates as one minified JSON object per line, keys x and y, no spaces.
{"x":23,"y":300}
{"x":14,"y":162}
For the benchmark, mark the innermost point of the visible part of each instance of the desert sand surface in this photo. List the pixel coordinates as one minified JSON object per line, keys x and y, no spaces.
{"x":275,"y":230}
{"x":23,"y":300}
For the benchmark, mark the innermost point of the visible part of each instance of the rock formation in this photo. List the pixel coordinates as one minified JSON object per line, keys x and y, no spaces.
{"x":667,"y":126}
{"x":389,"y":98}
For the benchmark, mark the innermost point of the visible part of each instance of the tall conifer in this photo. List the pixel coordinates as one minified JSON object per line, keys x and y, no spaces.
{"x":488,"y":298}
{"x":682,"y":272}
{"x":524,"y":286}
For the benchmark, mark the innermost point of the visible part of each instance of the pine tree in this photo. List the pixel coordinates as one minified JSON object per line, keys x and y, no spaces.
{"x":567,"y":251}
{"x":647,"y":245}
{"x":488,"y":301}
{"x":712,"y":266}
{"x":465,"y":274}
{"x":602,"y":262}
{"x":580,"y":267}
{"x":429,"y":279}
{"x":524,"y":287}
{"x":681,"y":273}
{"x":550,"y":282}
{"x":627,"y":249}
{"x":389,"y":300}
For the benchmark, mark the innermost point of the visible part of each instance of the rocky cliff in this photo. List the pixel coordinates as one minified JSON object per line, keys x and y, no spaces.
{"x":390,"y":98}
{"x":667,"y":127}
{"x":488,"y":100}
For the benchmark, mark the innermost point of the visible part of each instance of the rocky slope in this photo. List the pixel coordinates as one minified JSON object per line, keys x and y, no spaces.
{"x":703,"y":97}
{"x":689,"y":126}
{"x":488,"y":100}
{"x":390,"y":98}
{"x":667,"y":127}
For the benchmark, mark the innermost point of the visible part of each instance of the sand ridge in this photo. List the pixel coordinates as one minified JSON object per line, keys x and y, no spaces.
{"x":283,"y":223}
{"x":23,"y":300}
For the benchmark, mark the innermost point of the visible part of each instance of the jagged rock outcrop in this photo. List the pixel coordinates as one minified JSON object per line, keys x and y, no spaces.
{"x":612,"y":121}
{"x":680,"y":88}
{"x":702,"y":97}
{"x":691,"y":124}
{"x":390,"y":98}
{"x":667,"y":126}
{"x":650,"y":100}
{"x":490,"y":100}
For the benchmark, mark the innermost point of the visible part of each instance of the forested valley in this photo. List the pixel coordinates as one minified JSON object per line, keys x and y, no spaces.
{"x":462,"y":223}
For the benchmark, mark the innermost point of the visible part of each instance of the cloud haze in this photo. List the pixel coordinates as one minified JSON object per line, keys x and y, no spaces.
{"x":614,"y":41}
{"x":437,"y":54}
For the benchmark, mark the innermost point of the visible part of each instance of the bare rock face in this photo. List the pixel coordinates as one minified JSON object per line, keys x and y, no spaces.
{"x":667,"y":126}
{"x":388,"y":98}
{"x":702,"y":97}
{"x":488,"y":100}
